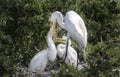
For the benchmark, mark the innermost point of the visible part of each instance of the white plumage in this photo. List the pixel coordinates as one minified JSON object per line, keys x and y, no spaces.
{"x":40,"y":60}
{"x":71,"y":58}
{"x":74,"y":25}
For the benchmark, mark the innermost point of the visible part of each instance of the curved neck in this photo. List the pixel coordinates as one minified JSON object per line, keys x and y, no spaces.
{"x":60,"y":20}
{"x":50,"y":42}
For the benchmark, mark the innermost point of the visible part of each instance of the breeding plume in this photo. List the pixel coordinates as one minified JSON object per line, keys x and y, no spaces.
{"x":40,"y":60}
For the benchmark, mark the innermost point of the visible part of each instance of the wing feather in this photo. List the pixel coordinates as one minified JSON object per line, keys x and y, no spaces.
{"x":75,"y":28}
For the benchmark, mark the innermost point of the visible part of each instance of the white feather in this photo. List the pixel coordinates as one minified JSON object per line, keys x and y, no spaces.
{"x":40,"y":60}
{"x":71,"y":58}
{"x":74,"y":25}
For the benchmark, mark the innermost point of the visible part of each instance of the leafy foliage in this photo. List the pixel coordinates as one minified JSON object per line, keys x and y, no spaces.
{"x":103,"y":59}
{"x":24,"y":24}
{"x":69,"y":71}
{"x":22,"y":27}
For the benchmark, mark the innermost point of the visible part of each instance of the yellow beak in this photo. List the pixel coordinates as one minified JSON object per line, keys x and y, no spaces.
{"x":61,"y":40}
{"x":54,"y":30}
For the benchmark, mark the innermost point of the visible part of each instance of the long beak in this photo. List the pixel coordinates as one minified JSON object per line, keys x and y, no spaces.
{"x":54,"y":30}
{"x":61,"y":40}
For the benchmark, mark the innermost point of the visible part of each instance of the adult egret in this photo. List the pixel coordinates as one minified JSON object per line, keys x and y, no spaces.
{"x":74,"y":25}
{"x":71,"y":58}
{"x":40,"y":60}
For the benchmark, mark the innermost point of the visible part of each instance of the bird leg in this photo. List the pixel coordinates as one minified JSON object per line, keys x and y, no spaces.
{"x":67,"y":43}
{"x":77,"y":59}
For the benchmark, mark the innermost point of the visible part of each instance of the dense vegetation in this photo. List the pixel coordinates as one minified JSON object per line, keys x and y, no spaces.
{"x":24,"y":24}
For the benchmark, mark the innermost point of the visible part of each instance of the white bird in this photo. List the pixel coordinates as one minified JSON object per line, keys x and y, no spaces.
{"x":74,"y":25}
{"x":71,"y":58}
{"x":40,"y":60}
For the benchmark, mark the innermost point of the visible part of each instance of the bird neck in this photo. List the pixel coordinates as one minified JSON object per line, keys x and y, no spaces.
{"x":51,"y":46}
{"x":50,"y":42}
{"x":60,"y":20}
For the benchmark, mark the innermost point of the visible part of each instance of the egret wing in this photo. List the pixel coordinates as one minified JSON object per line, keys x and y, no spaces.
{"x":39,"y":61}
{"x":72,"y":23}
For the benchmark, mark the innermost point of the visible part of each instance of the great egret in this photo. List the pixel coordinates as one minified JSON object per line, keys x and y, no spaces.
{"x":40,"y":60}
{"x":71,"y":58}
{"x":74,"y":25}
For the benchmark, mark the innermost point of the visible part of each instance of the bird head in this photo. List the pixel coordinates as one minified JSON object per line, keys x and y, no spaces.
{"x":54,"y":16}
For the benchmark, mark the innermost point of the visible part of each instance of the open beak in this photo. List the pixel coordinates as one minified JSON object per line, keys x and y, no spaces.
{"x":61,"y":40}
{"x":54,"y":30}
